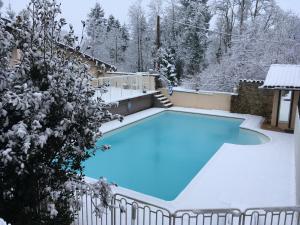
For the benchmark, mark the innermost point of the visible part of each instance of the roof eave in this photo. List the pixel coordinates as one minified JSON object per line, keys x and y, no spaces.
{"x":285,"y":88}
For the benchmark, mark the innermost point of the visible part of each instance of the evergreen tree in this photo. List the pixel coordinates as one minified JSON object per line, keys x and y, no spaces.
{"x":166,"y":62}
{"x":49,"y":120}
{"x":115,"y":43}
{"x":196,"y":17}
{"x":96,"y":30}
{"x":125,"y":38}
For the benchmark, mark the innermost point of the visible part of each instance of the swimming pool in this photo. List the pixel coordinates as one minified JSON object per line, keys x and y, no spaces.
{"x":161,"y":154}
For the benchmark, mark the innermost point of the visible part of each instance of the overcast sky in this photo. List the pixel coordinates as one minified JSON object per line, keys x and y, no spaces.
{"x":76,"y":10}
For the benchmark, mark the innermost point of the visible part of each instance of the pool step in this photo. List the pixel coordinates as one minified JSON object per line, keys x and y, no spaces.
{"x":163,"y":101}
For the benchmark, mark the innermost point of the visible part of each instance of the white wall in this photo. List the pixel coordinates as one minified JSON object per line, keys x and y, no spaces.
{"x":297,"y":156}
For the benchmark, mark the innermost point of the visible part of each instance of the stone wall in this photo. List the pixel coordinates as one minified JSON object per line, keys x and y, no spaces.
{"x":253,"y":100}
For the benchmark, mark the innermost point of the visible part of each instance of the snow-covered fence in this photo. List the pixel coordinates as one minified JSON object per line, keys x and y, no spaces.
{"x":271,"y":216}
{"x":207,"y":217}
{"x":124,"y":86}
{"x":124,"y":211}
{"x":129,"y":211}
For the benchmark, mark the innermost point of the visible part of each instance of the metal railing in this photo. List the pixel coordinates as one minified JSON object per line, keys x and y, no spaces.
{"x":271,"y":216}
{"x":130,"y":211}
{"x":207,"y":217}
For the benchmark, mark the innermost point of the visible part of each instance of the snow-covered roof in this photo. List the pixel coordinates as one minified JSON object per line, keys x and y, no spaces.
{"x":97,"y":61}
{"x":283,"y":76}
{"x":88,"y":57}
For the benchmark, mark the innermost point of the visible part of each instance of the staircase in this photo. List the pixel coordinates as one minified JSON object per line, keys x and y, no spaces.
{"x":162,"y":101}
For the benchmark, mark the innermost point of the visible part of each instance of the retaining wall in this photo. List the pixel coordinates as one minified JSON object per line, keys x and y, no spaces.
{"x":200,"y":99}
{"x":133,"y":105}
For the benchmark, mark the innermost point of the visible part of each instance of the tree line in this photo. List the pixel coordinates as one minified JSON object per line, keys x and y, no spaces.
{"x":208,"y":45}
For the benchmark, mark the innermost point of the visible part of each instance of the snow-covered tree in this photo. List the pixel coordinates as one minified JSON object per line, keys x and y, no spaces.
{"x":116,"y":41}
{"x":184,"y":29}
{"x":195,"y":22}
{"x":166,"y":62}
{"x":96,"y":30}
{"x":269,"y":36}
{"x":49,"y":120}
{"x":138,"y":29}
{"x":10,"y":13}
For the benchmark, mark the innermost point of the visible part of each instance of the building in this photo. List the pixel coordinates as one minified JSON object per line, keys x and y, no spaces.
{"x":284,"y":80}
{"x":97,"y":67}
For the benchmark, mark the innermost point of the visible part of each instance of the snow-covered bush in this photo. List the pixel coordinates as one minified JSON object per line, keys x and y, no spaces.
{"x":49,"y":120}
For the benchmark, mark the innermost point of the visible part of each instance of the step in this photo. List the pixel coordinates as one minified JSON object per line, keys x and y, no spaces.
{"x":162,"y":98}
{"x":168,"y":105}
{"x":165,"y":101}
{"x":159,"y":96}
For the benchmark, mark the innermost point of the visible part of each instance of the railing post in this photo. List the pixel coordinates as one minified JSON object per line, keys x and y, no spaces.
{"x":242,"y":219}
{"x":134,"y":209}
{"x":172,"y":219}
{"x":113,"y":211}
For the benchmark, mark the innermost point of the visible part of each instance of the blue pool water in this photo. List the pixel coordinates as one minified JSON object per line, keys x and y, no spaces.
{"x":160,"y":155}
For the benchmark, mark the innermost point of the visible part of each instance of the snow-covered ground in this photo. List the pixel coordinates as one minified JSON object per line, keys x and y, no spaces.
{"x":236,"y":176}
{"x":116,"y":94}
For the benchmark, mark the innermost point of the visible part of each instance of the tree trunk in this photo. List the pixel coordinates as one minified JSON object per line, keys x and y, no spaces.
{"x":116,"y":50}
{"x":256,"y":9}
{"x":242,"y":9}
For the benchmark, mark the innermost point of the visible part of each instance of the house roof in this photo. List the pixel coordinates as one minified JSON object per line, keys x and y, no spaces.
{"x":283,"y":76}
{"x":98,"y":62}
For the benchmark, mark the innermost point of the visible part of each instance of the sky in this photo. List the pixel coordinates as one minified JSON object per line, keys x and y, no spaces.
{"x":76,"y":10}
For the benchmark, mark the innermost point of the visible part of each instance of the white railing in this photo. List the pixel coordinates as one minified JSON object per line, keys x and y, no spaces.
{"x":130,"y":211}
{"x":119,"y":87}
